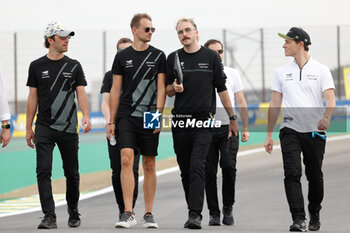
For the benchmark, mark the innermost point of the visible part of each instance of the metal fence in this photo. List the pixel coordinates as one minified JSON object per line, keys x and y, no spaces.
{"x":255,"y":52}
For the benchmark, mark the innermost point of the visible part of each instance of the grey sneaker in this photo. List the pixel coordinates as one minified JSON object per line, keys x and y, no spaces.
{"x":149,"y":221}
{"x":194,"y":222}
{"x":298,"y":225}
{"x":214,"y":220}
{"x":126,"y":220}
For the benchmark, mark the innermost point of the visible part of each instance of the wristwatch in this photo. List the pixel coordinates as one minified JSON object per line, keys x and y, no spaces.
{"x":233,"y":117}
{"x":5,"y":126}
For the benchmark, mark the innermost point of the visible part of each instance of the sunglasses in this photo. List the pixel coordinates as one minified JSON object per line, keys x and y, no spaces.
{"x":149,"y":29}
{"x":187,"y":30}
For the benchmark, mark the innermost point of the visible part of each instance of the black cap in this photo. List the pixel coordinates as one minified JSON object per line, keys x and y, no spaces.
{"x":297,"y":34}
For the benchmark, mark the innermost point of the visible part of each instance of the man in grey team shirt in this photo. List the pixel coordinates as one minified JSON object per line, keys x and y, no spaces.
{"x":53,"y":81}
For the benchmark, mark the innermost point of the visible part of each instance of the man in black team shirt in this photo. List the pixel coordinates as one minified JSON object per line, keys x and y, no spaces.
{"x":53,"y":80}
{"x":195,"y":102}
{"x":138,"y":87}
{"x":113,"y":147}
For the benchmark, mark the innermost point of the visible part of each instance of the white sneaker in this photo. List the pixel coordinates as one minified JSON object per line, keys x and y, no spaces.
{"x":149,"y":221}
{"x":127,"y":220}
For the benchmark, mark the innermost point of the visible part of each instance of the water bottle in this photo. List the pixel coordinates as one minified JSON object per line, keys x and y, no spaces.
{"x":112,"y":141}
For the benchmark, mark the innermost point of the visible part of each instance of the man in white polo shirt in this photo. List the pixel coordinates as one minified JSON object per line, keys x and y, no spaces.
{"x":300,"y":86}
{"x":223,"y":147}
{"x":5,"y":116}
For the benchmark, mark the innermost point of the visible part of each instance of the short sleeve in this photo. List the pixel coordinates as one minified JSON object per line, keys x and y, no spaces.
{"x":80,"y":78}
{"x":237,"y":82}
{"x":219,"y":75}
{"x":170,"y":77}
{"x":276,"y":85}
{"x":162,"y":64}
{"x":32,"y":81}
{"x":117,"y":67}
{"x":327,"y":79}
{"x":107,"y":82}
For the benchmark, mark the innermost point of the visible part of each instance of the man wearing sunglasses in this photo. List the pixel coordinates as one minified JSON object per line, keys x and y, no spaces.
{"x":53,"y":81}
{"x":300,"y":86}
{"x":138,"y":87}
{"x":223,"y":147}
{"x":113,"y":147}
{"x":195,"y":102}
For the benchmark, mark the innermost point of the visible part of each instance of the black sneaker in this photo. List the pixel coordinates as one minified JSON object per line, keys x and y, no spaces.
{"x":214,"y":220}
{"x":314,"y":224}
{"x":48,"y":222}
{"x":227,"y":218}
{"x":127,"y":220}
{"x":74,"y":219}
{"x":194,"y":221}
{"x":298,"y":225}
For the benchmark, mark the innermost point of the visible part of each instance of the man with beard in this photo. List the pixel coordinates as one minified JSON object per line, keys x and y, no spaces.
{"x":195,"y":102}
{"x":53,"y":81}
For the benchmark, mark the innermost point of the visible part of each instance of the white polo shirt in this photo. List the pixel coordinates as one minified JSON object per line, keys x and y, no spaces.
{"x":302,"y":94}
{"x":233,"y":85}
{"x":4,"y":107}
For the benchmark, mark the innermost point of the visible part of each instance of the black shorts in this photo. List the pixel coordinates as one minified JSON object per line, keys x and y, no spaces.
{"x":133,"y":135}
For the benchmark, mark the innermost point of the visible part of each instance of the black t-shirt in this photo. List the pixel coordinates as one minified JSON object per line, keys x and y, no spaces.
{"x":56,"y":81}
{"x":202,"y":73}
{"x":139,"y":70}
{"x":107,"y":82}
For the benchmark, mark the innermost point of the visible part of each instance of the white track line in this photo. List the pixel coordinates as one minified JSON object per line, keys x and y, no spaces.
{"x":159,"y":173}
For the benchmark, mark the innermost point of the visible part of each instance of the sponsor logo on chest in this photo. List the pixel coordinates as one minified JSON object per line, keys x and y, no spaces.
{"x":203,"y":65}
{"x":311,"y":77}
{"x":151,"y":64}
{"x":182,"y":65}
{"x":67,"y":74}
{"x":45,"y":74}
{"x":128,"y":64}
{"x":288,"y":77}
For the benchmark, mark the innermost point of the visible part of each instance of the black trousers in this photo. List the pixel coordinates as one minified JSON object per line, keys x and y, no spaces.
{"x":45,"y":140}
{"x":227,"y":150}
{"x":115,"y":162}
{"x":292,"y":144}
{"x":191,"y":147}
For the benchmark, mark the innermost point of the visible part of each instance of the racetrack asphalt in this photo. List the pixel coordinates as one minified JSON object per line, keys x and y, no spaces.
{"x":260,"y":205}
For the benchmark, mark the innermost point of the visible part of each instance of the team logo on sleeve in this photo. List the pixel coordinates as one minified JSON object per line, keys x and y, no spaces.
{"x":151,"y":120}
